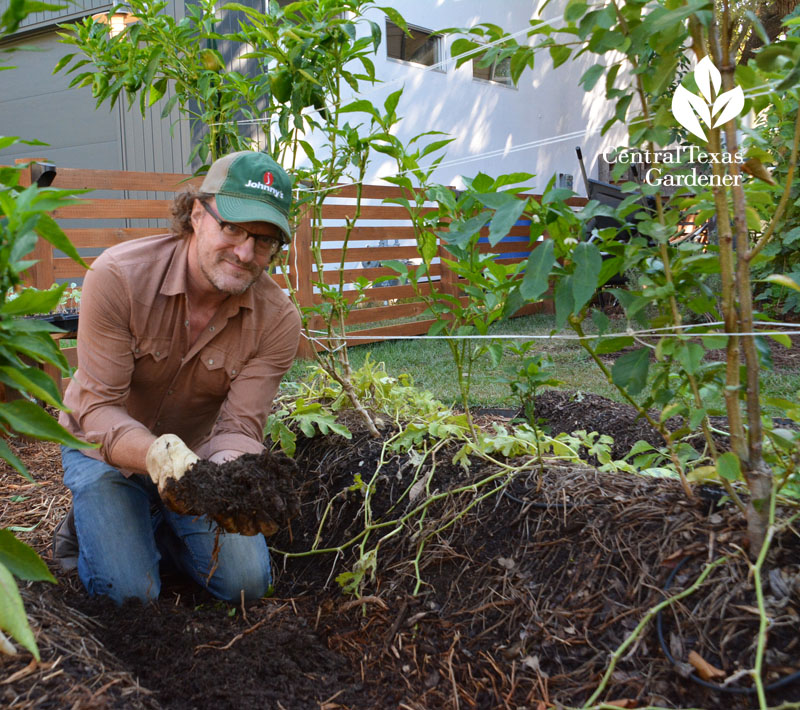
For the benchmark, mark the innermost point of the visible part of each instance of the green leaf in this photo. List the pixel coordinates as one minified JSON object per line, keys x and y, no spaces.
{"x":8,"y":455}
{"x":613,"y":344}
{"x":460,"y":234}
{"x":12,"y":613}
{"x":537,"y":270}
{"x":48,"y":229}
{"x":588,"y":263}
{"x":31,"y":301}
{"x":505,"y":218}
{"x":630,"y":371}
{"x":728,"y":466}
{"x":33,"y":381}
{"x":559,"y":54}
{"x":783,"y":280}
{"x":495,"y":353}
{"x":564,"y":301}
{"x":591,"y":76}
{"x":395,"y":17}
{"x":601,"y":321}
{"x":31,"y":420}
{"x":22,"y":560}
{"x":361,"y":105}
{"x":690,"y":357}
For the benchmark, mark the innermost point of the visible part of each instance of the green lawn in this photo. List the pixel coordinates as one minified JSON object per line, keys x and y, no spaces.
{"x":430,"y":365}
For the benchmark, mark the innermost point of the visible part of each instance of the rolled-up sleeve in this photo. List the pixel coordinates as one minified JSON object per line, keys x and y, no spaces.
{"x":241,"y":420}
{"x":105,"y":357}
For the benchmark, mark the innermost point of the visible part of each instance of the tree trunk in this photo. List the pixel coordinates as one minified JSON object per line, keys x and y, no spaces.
{"x":771,"y":14}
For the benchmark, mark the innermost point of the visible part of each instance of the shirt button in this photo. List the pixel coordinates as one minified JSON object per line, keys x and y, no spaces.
{"x":233,"y":372}
{"x":158,"y":353}
{"x":211,"y":361}
{"x":170,"y":391}
{"x":211,"y":328}
{"x":137,"y":350}
{"x":186,"y":323}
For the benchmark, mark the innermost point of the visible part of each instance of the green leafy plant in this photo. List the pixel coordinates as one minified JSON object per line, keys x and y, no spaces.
{"x":20,"y":561}
{"x":486,"y":289}
{"x":24,"y":344}
{"x":669,"y":367}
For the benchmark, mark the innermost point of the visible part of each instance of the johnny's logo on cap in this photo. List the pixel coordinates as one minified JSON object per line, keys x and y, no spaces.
{"x":266,"y":185}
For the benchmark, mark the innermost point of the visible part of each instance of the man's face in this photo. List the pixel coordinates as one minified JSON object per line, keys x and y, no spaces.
{"x":225,"y":267}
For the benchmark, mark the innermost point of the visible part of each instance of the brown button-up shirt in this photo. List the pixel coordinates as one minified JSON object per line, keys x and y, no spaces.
{"x":137,"y":368}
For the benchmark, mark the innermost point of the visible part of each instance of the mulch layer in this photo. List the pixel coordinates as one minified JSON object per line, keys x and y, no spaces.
{"x":523,"y":589}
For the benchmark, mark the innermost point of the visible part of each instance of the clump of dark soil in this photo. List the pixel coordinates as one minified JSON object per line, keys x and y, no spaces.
{"x":251,"y":494}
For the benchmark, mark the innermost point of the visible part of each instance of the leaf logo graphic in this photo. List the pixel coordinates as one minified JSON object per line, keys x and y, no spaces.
{"x":687,"y":107}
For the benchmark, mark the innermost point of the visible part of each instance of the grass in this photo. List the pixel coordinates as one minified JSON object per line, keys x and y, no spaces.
{"x":430,"y":365}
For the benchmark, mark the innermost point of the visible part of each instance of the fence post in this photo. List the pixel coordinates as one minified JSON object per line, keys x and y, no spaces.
{"x":42,"y":274}
{"x":300,"y":275}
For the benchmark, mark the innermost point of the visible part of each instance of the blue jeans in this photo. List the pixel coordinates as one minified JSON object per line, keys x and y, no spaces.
{"x":124,"y":529}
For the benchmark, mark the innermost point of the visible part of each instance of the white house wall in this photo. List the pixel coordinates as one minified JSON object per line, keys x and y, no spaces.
{"x":489,"y":121}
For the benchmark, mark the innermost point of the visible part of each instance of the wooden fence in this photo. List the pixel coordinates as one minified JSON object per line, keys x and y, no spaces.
{"x":127,"y":205}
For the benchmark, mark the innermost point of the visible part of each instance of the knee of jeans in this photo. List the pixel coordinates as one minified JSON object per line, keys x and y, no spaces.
{"x":254,"y":580}
{"x":145,"y":588}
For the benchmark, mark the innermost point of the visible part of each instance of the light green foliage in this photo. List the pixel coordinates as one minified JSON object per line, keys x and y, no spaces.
{"x":491,"y":287}
{"x":770,"y":142}
{"x":640,"y":52}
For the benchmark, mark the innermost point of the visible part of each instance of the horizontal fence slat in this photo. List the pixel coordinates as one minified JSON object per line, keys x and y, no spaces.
{"x":350,"y":275}
{"x":368,"y":212}
{"x":76,"y":178}
{"x":64,"y":268}
{"x":386,"y":293}
{"x":338,"y":234}
{"x":98,"y":237}
{"x":418,"y":327}
{"x":116,"y":209}
{"x":369,"y":192}
{"x":376,"y":314}
{"x":334,"y":256}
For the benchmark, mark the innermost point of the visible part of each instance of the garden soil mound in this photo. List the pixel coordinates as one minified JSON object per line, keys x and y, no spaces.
{"x":522,"y":593}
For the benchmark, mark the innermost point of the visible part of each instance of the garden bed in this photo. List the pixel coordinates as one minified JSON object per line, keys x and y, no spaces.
{"x":519,"y":603}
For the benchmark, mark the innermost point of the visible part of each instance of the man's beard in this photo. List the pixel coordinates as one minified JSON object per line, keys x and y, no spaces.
{"x":216,"y":283}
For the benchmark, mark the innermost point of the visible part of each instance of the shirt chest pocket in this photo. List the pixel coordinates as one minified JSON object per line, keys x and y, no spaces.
{"x":151,"y":362}
{"x":153,"y":349}
{"x":218,"y":369}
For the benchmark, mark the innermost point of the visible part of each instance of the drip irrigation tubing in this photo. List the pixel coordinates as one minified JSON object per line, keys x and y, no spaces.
{"x":732,"y":689}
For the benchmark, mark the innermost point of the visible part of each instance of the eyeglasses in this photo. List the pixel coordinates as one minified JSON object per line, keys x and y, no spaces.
{"x":233,"y":234}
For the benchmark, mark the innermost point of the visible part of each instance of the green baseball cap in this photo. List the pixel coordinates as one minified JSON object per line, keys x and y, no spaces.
{"x":251,"y":187}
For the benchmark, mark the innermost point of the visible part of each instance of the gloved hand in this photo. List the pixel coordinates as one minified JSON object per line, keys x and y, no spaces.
{"x":169,"y":458}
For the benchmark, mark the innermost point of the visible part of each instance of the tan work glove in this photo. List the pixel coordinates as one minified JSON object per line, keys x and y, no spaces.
{"x":169,"y":458}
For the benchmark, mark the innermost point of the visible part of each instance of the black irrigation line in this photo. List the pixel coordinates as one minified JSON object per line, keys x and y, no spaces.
{"x":732,"y":689}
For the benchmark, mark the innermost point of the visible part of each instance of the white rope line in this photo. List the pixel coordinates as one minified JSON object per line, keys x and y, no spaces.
{"x":526,"y":336}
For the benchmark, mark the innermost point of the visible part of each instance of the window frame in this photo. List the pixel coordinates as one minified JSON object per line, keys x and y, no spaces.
{"x":507,"y":82}
{"x":438,"y":63}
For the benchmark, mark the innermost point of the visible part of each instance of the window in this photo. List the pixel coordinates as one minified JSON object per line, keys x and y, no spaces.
{"x":498,"y":72}
{"x":422,"y":47}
